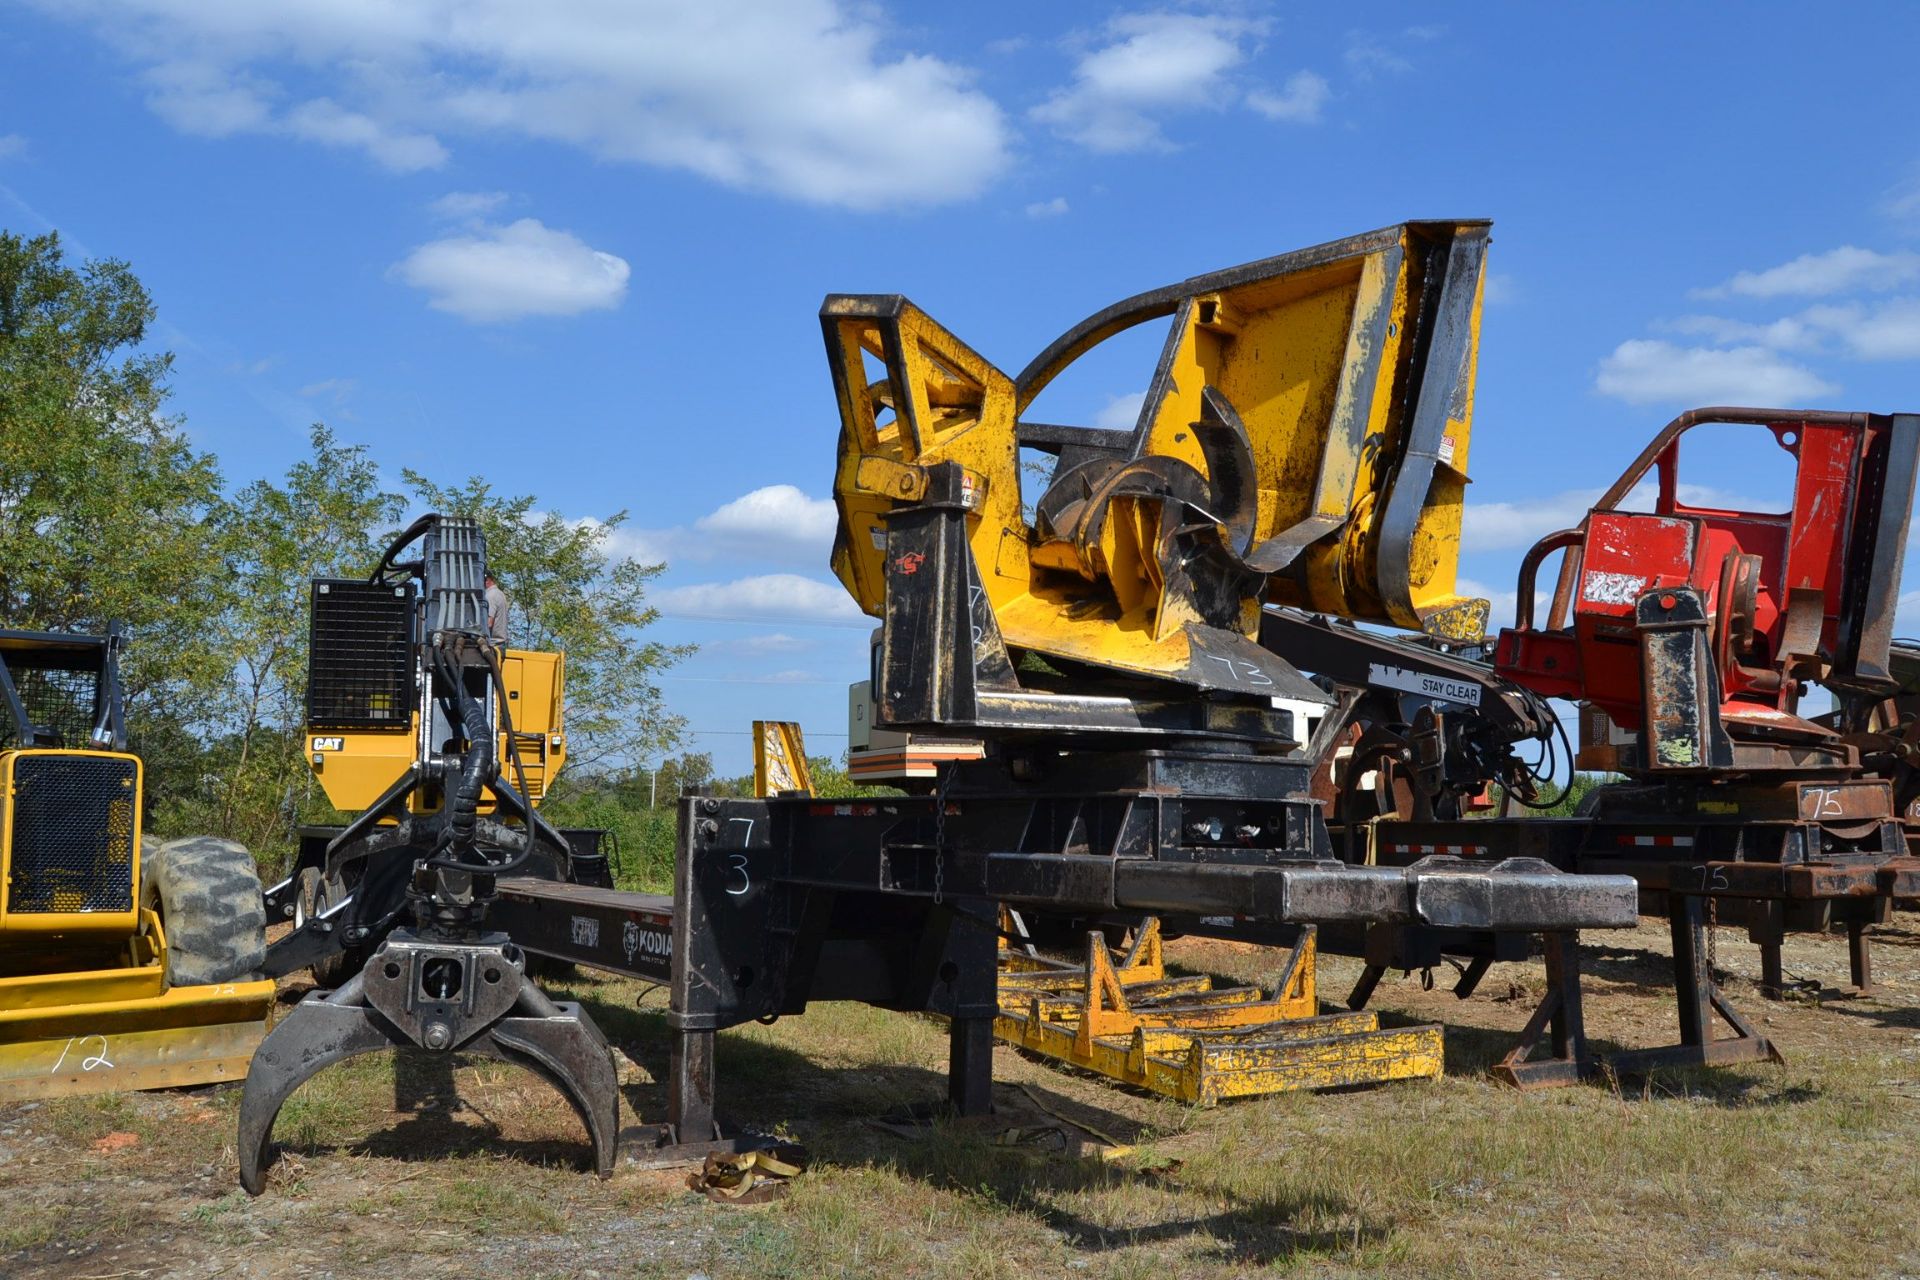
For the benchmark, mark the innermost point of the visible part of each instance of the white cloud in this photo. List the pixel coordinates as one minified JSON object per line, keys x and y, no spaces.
{"x":333,"y":390}
{"x":1502,"y":604}
{"x":1886,"y":331}
{"x":801,"y":98}
{"x":1510,"y":526}
{"x":522,"y":269}
{"x":1506,"y":526}
{"x":776,"y":523}
{"x":1047,"y":208}
{"x":1120,"y":413}
{"x":325,"y":121}
{"x":1906,"y":614}
{"x":1841,"y":270}
{"x":1902,"y":201}
{"x":1367,"y":57}
{"x":11,"y":145}
{"x":1152,"y":63}
{"x":760,"y":645}
{"x":1298,"y":103}
{"x":1789,"y":333}
{"x":779,"y":511}
{"x":1650,"y":371}
{"x":774,"y":597}
{"x":459,"y":206}
{"x":1501,"y":289}
{"x":199,"y":96}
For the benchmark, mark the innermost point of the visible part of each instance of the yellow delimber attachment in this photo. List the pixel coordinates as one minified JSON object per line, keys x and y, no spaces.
{"x":1303,"y":441}
{"x":1121,"y":1015}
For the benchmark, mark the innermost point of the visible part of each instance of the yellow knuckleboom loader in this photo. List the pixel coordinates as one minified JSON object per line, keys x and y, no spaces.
{"x":442,"y":740}
{"x":125,"y":963}
{"x":387,"y":742}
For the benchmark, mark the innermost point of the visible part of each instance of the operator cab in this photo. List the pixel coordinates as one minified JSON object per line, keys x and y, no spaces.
{"x":61,"y":691}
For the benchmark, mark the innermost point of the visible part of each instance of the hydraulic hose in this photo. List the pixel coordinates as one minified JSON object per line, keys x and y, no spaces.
{"x":400,"y":542}
{"x":476,"y":769}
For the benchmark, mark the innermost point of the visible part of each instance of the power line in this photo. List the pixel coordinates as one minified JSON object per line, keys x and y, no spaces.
{"x":752,"y":680}
{"x":743,"y":620}
{"x":749,"y":734}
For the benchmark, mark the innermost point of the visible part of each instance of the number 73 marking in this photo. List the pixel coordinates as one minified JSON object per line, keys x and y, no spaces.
{"x":1241,"y":671}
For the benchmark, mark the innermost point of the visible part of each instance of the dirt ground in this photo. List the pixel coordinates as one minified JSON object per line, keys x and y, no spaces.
{"x":1802,"y":1169}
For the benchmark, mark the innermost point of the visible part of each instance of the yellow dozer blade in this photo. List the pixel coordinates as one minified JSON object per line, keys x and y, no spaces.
{"x":116,"y":1030}
{"x":1303,"y":441}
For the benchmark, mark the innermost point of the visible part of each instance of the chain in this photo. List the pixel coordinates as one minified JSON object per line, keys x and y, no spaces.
{"x":940,"y":835}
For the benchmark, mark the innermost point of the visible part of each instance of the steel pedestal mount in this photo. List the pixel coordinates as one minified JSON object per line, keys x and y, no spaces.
{"x":438,"y":995}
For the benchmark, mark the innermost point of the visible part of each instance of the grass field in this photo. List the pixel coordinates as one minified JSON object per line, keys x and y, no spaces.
{"x":1806,"y":1169}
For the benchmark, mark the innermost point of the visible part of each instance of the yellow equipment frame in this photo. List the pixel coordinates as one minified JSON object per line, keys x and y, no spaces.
{"x":1121,"y":1014}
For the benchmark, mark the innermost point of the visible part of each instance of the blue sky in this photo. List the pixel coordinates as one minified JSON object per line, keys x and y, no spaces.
{"x":579,"y":247}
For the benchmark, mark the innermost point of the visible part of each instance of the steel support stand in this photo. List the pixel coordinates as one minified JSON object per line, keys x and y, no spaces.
{"x":690,"y":1086}
{"x":1767,"y":927}
{"x":1860,"y":957}
{"x":970,"y":1066}
{"x":1692,"y":978}
{"x":1773,"y":974}
{"x":1470,"y":976}
{"x":1698,"y":998}
{"x":1560,"y":1013}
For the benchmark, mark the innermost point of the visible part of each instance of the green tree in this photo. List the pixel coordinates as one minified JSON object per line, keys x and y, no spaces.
{"x":107,"y":514}
{"x":569,"y":590}
{"x":324,"y":520}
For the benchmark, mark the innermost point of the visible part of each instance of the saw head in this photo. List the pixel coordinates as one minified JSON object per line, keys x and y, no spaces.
{"x":1302,"y":441}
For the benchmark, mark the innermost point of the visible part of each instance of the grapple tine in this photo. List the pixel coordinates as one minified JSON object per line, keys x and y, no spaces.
{"x":569,"y":1052}
{"x":314,"y":1036}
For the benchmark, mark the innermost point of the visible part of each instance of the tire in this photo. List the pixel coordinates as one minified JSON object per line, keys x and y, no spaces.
{"x":207,"y":892}
{"x":313,"y":896}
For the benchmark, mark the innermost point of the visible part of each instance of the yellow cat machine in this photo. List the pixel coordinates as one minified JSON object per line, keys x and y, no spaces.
{"x":443,"y":739}
{"x":124,"y":964}
{"x":385,"y":738}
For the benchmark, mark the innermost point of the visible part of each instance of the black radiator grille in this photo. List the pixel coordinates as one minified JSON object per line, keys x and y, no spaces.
{"x":72,"y":818}
{"x":360,"y":663}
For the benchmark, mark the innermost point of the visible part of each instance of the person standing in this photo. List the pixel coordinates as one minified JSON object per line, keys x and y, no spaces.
{"x":496,"y":612}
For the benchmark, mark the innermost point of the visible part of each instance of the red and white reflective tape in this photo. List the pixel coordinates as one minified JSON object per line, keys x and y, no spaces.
{"x":1656,"y":842}
{"x":1458,"y":850}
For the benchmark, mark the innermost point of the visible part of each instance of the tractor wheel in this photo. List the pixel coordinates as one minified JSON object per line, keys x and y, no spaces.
{"x":312,"y":896}
{"x":207,"y":892}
